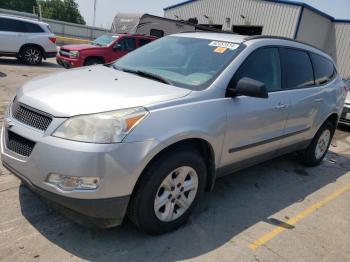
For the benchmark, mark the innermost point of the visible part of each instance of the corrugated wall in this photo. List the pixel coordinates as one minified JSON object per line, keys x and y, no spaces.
{"x":342,"y":47}
{"x":272,"y":16}
{"x":314,"y":29}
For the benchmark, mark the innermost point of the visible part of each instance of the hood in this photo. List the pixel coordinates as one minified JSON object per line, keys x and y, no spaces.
{"x":92,"y":90}
{"x":80,"y":47}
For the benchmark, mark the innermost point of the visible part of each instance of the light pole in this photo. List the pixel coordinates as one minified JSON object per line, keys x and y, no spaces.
{"x":94,"y":21}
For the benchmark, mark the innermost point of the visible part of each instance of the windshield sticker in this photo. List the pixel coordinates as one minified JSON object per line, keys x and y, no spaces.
{"x":227,"y":45}
{"x":220,"y":50}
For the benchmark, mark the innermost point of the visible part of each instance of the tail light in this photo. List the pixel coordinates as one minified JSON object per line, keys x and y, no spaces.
{"x":53,"y":39}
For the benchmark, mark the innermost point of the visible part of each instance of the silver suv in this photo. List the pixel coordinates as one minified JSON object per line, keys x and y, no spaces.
{"x":147,"y":135}
{"x":29,"y":40}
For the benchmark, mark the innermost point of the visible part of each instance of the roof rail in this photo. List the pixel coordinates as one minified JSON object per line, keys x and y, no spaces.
{"x":280,"y":38}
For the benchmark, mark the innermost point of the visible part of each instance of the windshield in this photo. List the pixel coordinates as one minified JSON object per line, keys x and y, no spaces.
{"x":186,"y":62}
{"x":104,"y":40}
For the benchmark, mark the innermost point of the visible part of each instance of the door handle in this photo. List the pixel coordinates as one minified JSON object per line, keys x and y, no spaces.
{"x":280,"y":106}
{"x":318,"y":100}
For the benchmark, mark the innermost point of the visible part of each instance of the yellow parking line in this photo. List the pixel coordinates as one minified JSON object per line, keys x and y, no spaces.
{"x":265,"y":238}
{"x":72,"y":40}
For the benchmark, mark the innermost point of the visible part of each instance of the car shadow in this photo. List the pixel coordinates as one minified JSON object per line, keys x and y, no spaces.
{"x":238,"y":202}
{"x":15,"y":62}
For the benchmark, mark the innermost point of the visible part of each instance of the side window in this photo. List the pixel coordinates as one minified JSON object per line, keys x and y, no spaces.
{"x":157,"y":33}
{"x":33,"y":28}
{"x":298,"y":68}
{"x":324,"y":69}
{"x":11,"y":25}
{"x":144,"y":41}
{"x":262,"y":65}
{"x":127,"y":44}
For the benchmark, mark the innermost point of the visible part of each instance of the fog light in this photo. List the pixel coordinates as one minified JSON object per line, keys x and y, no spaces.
{"x":70,"y":183}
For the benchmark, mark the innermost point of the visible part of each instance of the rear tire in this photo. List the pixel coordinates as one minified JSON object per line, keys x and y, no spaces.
{"x":93,"y":61}
{"x":31,"y":55}
{"x":318,"y":148}
{"x":167,"y":179}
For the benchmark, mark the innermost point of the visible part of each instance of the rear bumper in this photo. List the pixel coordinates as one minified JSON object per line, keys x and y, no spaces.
{"x":69,"y":62}
{"x":97,"y":211}
{"x":345,"y":116}
{"x":50,"y":54}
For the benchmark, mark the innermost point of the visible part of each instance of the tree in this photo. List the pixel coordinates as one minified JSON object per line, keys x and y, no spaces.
{"x":63,"y":10}
{"x":66,"y":10}
{"x":18,"y":5}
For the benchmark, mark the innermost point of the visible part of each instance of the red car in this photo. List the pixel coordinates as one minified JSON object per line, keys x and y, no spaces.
{"x":104,"y":49}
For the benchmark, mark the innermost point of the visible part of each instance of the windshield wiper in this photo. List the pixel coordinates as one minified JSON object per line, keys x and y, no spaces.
{"x":144,"y":74}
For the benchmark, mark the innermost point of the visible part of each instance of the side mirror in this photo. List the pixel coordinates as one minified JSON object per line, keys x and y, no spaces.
{"x":248,"y":87}
{"x":117,"y":47}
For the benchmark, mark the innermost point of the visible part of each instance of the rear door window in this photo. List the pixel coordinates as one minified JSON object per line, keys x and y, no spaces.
{"x":33,"y":28}
{"x":143,"y":41}
{"x":324,"y":69}
{"x":262,"y":65}
{"x":298,"y":68}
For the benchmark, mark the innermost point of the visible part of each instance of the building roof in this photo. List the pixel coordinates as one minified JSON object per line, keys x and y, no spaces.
{"x":304,"y":5}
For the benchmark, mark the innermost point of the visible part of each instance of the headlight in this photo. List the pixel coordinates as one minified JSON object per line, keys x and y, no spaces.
{"x":74,"y":54}
{"x":103,"y":128}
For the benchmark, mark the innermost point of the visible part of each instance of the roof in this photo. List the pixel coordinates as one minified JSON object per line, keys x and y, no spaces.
{"x":24,"y":19}
{"x":304,"y":5}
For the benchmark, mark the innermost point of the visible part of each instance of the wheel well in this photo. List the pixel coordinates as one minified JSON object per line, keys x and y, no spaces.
{"x":94,"y":57}
{"x":33,"y":45}
{"x":204,"y":149}
{"x":333,"y":118}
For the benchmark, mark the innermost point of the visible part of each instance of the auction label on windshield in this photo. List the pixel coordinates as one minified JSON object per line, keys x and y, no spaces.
{"x":228,"y":45}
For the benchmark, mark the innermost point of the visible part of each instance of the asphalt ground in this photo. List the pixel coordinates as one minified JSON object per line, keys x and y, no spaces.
{"x":276,"y":211}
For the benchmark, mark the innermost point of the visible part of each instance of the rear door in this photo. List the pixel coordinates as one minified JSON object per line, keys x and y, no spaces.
{"x":305,"y":95}
{"x":256,"y":125}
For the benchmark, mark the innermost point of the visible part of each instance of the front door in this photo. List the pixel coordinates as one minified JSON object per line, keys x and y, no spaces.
{"x":255,"y":126}
{"x":122,"y":47}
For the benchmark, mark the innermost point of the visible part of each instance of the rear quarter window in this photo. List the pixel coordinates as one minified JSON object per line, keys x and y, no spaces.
{"x":297,"y":68}
{"x":324,"y":69}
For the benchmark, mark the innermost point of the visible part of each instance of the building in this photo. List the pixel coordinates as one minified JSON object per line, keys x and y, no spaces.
{"x":279,"y":18}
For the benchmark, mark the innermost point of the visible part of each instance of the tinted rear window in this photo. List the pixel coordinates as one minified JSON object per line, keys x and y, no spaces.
{"x":144,"y":41}
{"x":298,"y":68}
{"x":324,"y":69}
{"x":33,"y":28}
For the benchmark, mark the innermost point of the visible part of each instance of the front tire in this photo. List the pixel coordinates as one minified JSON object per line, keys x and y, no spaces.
{"x":31,"y":55}
{"x":168,"y":191}
{"x":318,"y":148}
{"x":93,"y":61}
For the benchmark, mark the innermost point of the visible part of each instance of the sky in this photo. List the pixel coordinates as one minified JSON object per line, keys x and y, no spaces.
{"x":107,"y":9}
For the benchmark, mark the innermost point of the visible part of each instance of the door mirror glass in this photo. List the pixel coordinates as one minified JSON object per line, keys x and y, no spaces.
{"x":248,"y":87}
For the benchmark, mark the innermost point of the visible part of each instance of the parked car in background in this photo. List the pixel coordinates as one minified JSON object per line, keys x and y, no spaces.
{"x":104,"y":49}
{"x":345,"y":116}
{"x":147,"y":135}
{"x":29,"y":40}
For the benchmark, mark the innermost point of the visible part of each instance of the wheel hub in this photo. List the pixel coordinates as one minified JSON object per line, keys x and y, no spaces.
{"x":176,"y":194}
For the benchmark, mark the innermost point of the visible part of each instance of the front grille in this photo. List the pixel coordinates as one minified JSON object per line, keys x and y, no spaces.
{"x":29,"y":116}
{"x":19,"y":144}
{"x":64,"y":53}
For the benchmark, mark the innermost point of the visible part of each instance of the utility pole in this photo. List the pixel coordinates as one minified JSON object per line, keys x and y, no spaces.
{"x":94,"y":21}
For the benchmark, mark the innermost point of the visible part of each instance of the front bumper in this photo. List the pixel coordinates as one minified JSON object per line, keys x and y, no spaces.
{"x":101,"y":212}
{"x":67,"y":62}
{"x":118,"y":165}
{"x":345,"y":116}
